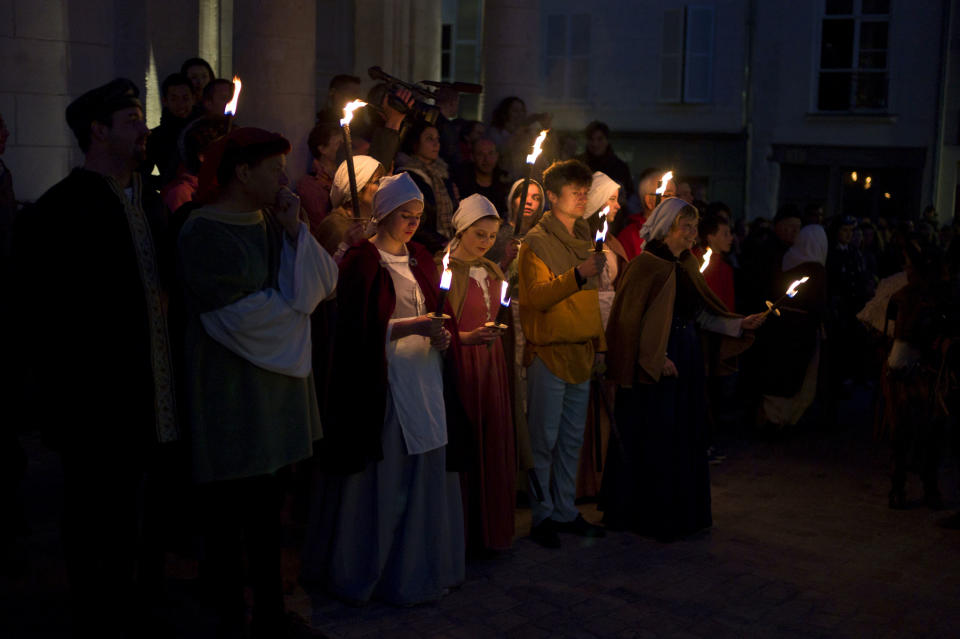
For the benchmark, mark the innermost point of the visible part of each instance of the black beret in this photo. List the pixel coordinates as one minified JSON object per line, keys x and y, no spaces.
{"x":97,"y":105}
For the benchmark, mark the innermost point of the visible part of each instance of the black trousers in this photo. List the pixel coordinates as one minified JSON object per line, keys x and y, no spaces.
{"x":110,"y":555}
{"x":244,"y":515}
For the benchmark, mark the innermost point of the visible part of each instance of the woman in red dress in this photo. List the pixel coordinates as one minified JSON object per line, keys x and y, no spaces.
{"x":489,"y":486}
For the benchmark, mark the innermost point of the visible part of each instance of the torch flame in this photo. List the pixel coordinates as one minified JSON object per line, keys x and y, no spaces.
{"x":602,"y":233}
{"x":231,"y":108}
{"x":535,"y":153}
{"x":348,"y":110}
{"x":706,"y":259}
{"x":504,"y":289}
{"x":793,"y":287}
{"x":447,"y":276}
{"x":663,"y":182}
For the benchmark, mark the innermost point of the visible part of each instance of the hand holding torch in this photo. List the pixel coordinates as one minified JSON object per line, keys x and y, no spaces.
{"x":789,"y":294}
{"x":348,"y":110}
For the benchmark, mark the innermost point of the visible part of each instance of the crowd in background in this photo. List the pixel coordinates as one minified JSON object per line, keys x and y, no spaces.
{"x":291,"y":345}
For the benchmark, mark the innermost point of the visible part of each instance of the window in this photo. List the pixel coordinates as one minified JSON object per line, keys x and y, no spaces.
{"x":568,"y":57}
{"x":460,"y":46}
{"x":686,"y":55}
{"x":853,"y":73}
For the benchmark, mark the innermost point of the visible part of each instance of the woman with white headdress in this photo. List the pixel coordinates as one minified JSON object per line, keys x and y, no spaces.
{"x":489,"y":486}
{"x":656,"y":481}
{"x":340,"y":229}
{"x":388,"y":522}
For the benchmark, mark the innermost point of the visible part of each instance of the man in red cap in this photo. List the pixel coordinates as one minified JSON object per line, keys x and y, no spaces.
{"x":252,"y":274}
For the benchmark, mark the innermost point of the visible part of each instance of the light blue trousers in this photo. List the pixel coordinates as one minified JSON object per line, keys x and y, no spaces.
{"x":556,"y":416}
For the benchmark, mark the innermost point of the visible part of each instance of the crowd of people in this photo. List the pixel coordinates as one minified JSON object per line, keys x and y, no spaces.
{"x":402,"y":356}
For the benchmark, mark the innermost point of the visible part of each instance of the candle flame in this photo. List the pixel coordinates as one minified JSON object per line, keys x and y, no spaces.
{"x":231,"y":108}
{"x":663,"y":182}
{"x":602,"y":233}
{"x":853,"y":176}
{"x":504,"y":289}
{"x":792,"y":291}
{"x":348,"y":110}
{"x":706,"y":259}
{"x":447,"y":276}
{"x":867,"y":182}
{"x":535,"y":153}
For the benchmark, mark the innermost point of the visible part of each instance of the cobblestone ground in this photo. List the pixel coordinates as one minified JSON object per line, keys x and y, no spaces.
{"x":803,"y":545}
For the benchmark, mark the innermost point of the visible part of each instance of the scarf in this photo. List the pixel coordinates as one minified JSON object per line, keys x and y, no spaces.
{"x":560,"y":251}
{"x":160,"y":359}
{"x":436,"y":174}
{"x":809,"y":246}
{"x":462,"y":272}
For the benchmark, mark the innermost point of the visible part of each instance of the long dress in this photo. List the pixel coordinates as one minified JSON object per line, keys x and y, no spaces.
{"x":656,"y":482}
{"x":394,"y":531}
{"x":596,"y":434}
{"x":489,"y":488}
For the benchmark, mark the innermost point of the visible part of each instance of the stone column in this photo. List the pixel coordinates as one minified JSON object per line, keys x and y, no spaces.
{"x":511,"y":52}
{"x":402,"y":36}
{"x":274,"y":53}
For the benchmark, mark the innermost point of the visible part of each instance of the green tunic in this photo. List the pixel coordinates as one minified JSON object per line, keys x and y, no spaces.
{"x":244,"y":420}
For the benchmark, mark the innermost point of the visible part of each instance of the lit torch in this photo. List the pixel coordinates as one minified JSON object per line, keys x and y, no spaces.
{"x":445,"y":281}
{"x":601,"y":232}
{"x":504,"y":311}
{"x":663,"y":185}
{"x":531,"y":160}
{"x":230,"y":109}
{"x":789,"y":294}
{"x":706,"y":260}
{"x":351,"y":172}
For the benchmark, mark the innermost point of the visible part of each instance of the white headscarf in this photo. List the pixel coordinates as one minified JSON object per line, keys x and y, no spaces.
{"x":364,"y":165}
{"x":661,"y":219}
{"x":601,"y":188}
{"x":471,"y":209}
{"x":394,"y":191}
{"x":810,"y":245}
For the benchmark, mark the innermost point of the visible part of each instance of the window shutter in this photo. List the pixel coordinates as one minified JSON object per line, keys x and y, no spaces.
{"x":671,"y":56}
{"x":698,"y":59}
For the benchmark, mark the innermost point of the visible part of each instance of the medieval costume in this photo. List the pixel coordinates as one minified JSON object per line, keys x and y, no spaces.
{"x":656,"y":481}
{"x":596,"y":435}
{"x":387,"y":520}
{"x":789,"y":345}
{"x":489,"y":484}
{"x":249,"y":290}
{"x":101,"y":385}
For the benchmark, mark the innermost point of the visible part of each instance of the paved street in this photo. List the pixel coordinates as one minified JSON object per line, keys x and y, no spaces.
{"x":803,"y":546}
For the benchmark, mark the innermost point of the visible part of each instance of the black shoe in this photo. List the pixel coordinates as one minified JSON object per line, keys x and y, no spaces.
{"x":580,"y":526}
{"x":545,"y":534}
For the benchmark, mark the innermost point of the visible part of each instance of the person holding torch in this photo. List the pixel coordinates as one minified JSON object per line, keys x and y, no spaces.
{"x":388,"y":522}
{"x":656,"y":480}
{"x":476,"y":293}
{"x":560,"y":313}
